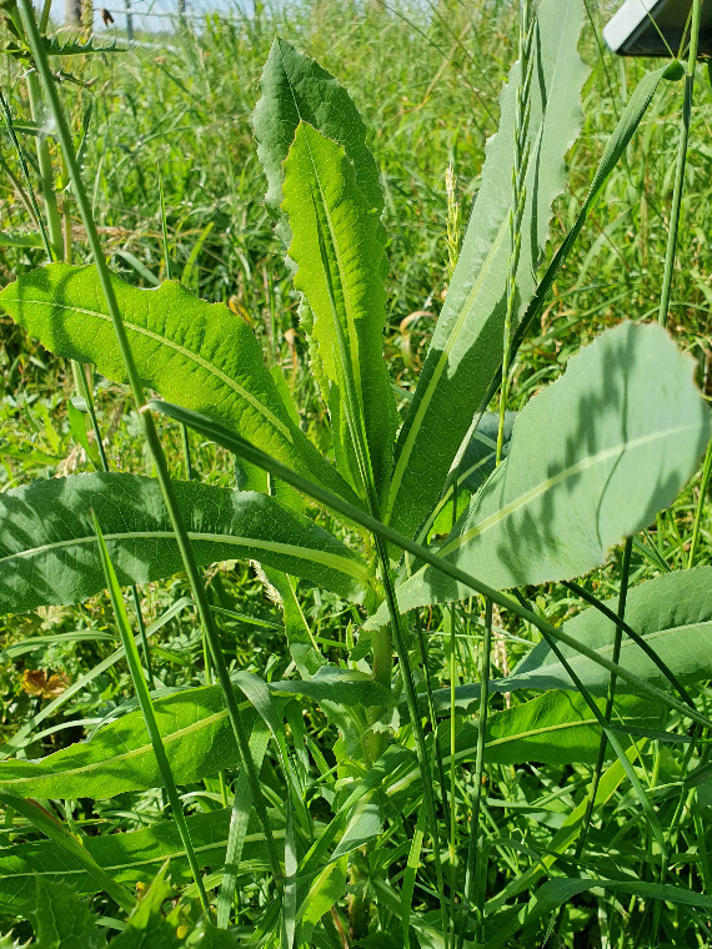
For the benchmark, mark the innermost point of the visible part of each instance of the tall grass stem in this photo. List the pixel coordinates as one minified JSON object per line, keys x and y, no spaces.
{"x":149,"y":430}
{"x":680,"y":164}
{"x":149,"y":716}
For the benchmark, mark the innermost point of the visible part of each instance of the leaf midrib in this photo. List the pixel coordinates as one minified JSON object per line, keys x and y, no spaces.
{"x":11,"y":783}
{"x":582,"y":465}
{"x":627,"y":644}
{"x":188,"y":354}
{"x":345,"y":565}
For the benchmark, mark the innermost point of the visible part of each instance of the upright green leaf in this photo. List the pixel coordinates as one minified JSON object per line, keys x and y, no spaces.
{"x":466,"y":349}
{"x":296,"y":89}
{"x":48,"y":547}
{"x":592,"y":459}
{"x":198,"y":354}
{"x":339,"y":253}
{"x":673,"y":613}
{"x":147,"y":926}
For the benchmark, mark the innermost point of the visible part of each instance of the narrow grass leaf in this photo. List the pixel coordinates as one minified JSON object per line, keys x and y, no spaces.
{"x":554,"y":893}
{"x":616,"y":145}
{"x":147,"y":710}
{"x":303,"y":647}
{"x":239,"y":821}
{"x":411,"y":871}
{"x":501,"y":928}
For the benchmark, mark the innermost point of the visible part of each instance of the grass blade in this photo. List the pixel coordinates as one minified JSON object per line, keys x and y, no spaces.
{"x":149,"y":717}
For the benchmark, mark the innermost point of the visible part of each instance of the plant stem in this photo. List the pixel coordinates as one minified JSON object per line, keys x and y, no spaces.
{"x":44,"y":163}
{"x":516,"y":214}
{"x":680,"y":163}
{"x":598,"y":767}
{"x":416,"y":724}
{"x":31,"y":199}
{"x":473,"y":848}
{"x":149,"y":430}
{"x":704,"y":485}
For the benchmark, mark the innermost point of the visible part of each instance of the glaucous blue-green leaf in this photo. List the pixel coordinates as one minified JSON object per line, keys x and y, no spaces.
{"x":592,"y":459}
{"x":554,"y":728}
{"x":673,"y":613}
{"x":337,"y":247}
{"x":197,"y":354}
{"x":466,"y":349}
{"x":49,"y":554}
{"x":296,"y":89}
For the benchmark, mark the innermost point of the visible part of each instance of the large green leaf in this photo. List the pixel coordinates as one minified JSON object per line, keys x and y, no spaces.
{"x":466,"y":349}
{"x":196,"y":734}
{"x":119,"y":757}
{"x":673,"y":613}
{"x":48,"y":549}
{"x":296,"y":89}
{"x":128,"y":857}
{"x":592,"y":459}
{"x":198,"y":354}
{"x":337,"y":246}
{"x":553,"y":728}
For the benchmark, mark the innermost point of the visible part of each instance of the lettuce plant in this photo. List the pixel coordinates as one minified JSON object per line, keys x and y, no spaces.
{"x":589,"y":461}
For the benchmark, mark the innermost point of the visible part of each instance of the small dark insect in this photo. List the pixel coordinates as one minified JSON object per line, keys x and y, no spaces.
{"x":106,"y":16}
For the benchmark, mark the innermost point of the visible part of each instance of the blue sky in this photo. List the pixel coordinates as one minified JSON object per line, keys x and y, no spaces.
{"x":147,"y":14}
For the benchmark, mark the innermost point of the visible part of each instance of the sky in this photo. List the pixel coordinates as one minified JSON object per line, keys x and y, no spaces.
{"x":148,"y":15}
